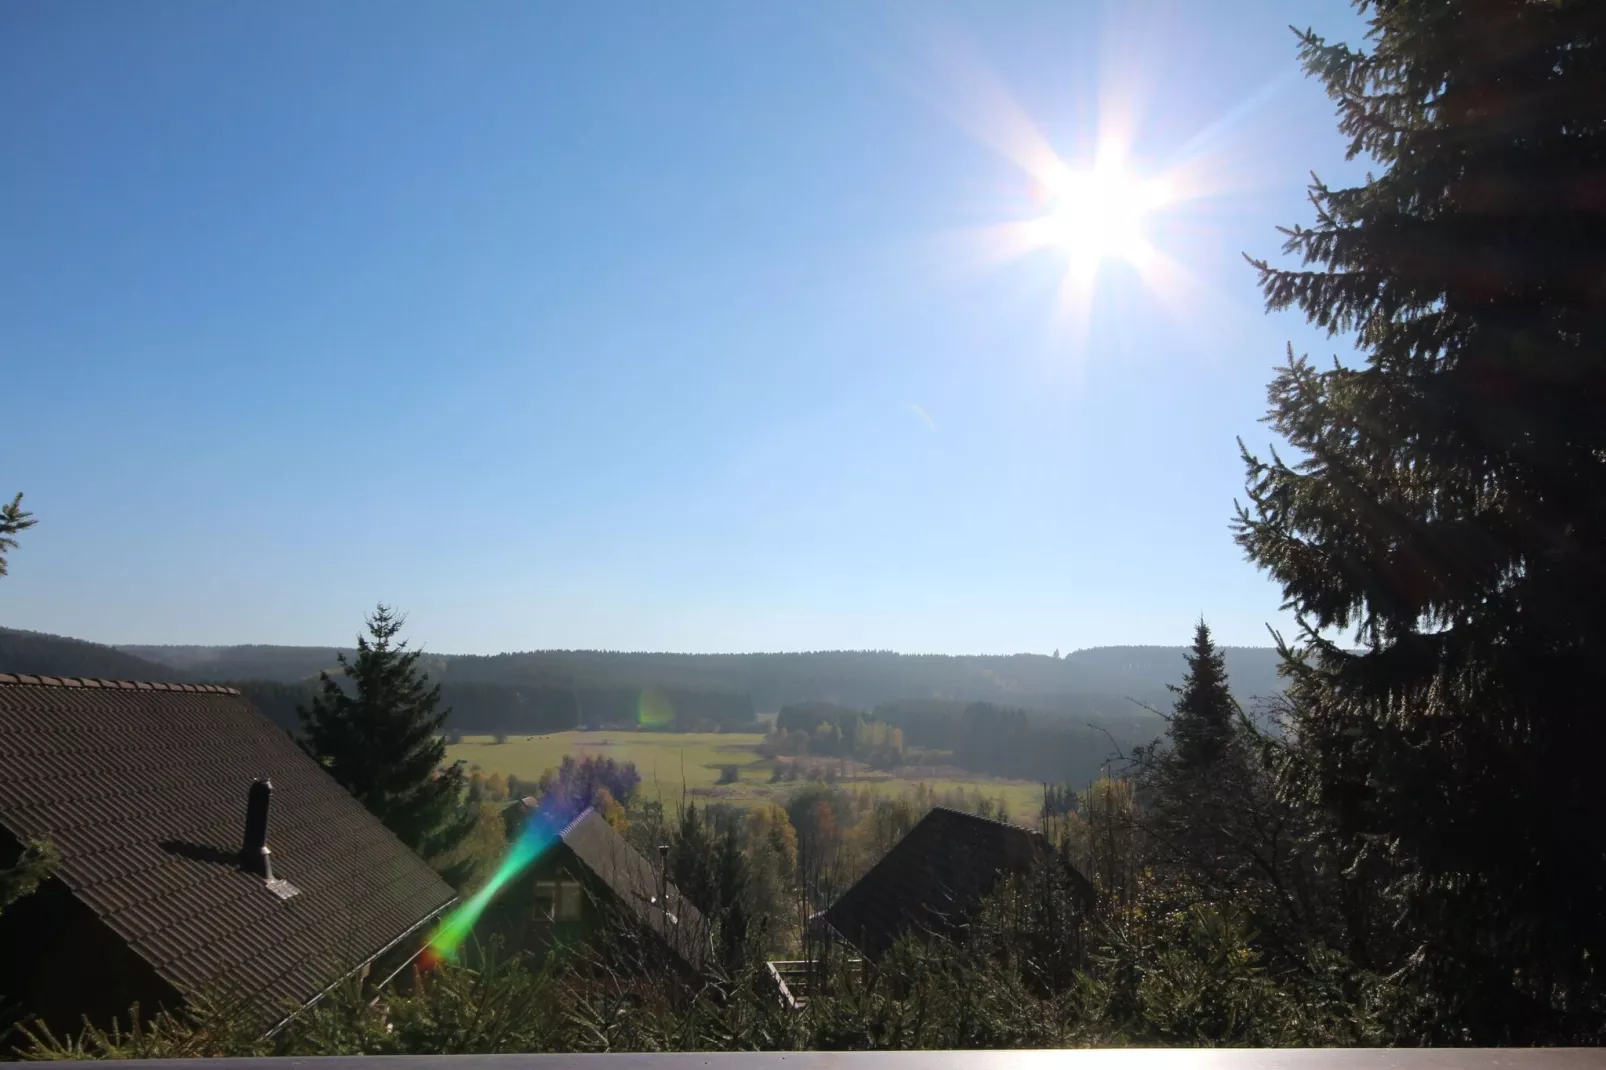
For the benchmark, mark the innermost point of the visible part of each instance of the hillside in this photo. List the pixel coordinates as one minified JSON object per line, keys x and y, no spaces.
{"x":285,"y":664}
{"x":545,"y":691}
{"x":57,"y":655}
{"x":1251,"y":670}
{"x":1103,"y":680}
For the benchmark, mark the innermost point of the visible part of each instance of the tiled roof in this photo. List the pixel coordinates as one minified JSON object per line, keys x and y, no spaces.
{"x":637,"y":884}
{"x":932,"y":877}
{"x":142,"y":787}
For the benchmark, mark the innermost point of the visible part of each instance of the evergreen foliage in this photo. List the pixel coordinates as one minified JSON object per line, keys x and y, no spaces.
{"x":13,"y":520}
{"x":38,"y":858}
{"x":377,"y":730}
{"x":34,"y":866}
{"x":735,"y":944}
{"x":708,"y":865}
{"x":1446,"y":500}
{"x":692,"y":864}
{"x":1202,"y":720}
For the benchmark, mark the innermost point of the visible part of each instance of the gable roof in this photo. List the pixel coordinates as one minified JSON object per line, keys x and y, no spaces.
{"x":142,"y":788}
{"x":938,"y":872}
{"x":637,"y":884}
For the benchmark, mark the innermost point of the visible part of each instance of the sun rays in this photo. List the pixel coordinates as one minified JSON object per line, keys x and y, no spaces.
{"x":1090,"y":205}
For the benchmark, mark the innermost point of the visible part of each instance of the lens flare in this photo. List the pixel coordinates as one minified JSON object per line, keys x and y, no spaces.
{"x":653,"y":709}
{"x":539,"y":832}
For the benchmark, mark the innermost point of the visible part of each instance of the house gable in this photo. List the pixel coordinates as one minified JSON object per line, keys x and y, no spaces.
{"x":932,"y":878}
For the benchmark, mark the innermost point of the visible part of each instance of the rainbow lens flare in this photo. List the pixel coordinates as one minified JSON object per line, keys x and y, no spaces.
{"x":539,"y":832}
{"x":653,"y":709}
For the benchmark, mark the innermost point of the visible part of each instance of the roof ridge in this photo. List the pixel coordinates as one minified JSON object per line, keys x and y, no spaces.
{"x":989,"y":820}
{"x":566,"y":829}
{"x":29,"y":679}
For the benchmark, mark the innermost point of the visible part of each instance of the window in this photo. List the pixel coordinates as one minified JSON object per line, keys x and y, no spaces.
{"x":559,"y":900}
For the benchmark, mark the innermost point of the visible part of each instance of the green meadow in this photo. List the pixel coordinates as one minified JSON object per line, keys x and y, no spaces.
{"x":686,"y":766}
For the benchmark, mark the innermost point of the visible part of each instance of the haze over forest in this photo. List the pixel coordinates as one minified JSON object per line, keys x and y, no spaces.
{"x":1031,"y":716}
{"x":1114,"y":682}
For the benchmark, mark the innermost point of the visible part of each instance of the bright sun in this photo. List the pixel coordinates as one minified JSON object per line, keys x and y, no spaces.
{"x":1096,"y":214}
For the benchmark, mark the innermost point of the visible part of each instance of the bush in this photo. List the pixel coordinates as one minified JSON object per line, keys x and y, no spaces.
{"x":500,"y":1006}
{"x":1036,"y":966}
{"x":729,"y":774}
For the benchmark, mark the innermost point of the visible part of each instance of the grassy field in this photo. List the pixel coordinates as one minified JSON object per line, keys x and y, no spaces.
{"x":677,"y":766}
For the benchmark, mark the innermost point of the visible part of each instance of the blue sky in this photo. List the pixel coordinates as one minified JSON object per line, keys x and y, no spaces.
{"x":636,"y":326}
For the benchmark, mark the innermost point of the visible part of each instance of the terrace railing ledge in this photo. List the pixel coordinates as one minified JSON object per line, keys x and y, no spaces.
{"x":1065,"y":1059}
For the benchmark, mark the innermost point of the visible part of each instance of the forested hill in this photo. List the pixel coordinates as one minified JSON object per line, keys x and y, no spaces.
{"x":285,"y":664}
{"x":550,"y":690}
{"x":1101,"y":679}
{"x":53,"y":655}
{"x":1251,"y":670}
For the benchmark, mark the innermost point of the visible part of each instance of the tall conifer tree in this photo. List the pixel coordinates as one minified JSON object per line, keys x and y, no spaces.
{"x":1446,"y":504}
{"x":378,"y":732}
{"x":1202,"y":723}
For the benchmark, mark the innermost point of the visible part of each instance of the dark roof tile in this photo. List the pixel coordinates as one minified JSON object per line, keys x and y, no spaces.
{"x":142,"y":788}
{"x":932,"y":877}
{"x":637,"y":885}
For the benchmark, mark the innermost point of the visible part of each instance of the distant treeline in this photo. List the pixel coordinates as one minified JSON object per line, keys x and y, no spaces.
{"x":822,"y":728}
{"x":979,"y":737}
{"x":1102,"y":682}
{"x":479,"y":708}
{"x":1011,"y":742}
{"x":553,"y":690}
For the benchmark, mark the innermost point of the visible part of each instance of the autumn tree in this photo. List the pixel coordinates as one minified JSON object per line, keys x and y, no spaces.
{"x":770,"y":844}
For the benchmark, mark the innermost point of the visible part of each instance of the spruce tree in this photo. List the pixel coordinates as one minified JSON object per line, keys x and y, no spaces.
{"x":693,"y":864}
{"x":1212,"y":821}
{"x":732,"y":874}
{"x":13,"y":520}
{"x":1202,"y":721}
{"x":39,"y":857}
{"x":377,"y":731}
{"x":1446,"y":505}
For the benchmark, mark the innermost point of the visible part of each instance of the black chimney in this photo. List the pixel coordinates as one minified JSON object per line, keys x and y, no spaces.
{"x":255,"y":854}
